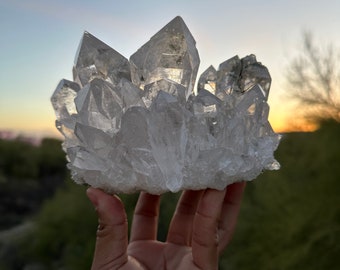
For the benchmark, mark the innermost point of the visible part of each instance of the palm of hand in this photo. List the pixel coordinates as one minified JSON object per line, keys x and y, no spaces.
{"x":156,"y":255}
{"x":200,"y":229}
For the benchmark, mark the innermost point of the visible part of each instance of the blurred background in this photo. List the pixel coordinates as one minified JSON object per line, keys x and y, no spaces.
{"x":290,"y":219}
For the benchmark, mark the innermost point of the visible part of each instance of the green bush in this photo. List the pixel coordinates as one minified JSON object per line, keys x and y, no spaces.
{"x":18,"y":159}
{"x":65,"y":229}
{"x":290,"y":219}
{"x":28,"y":175}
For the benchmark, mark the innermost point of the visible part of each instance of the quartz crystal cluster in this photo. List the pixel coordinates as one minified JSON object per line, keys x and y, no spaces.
{"x":138,"y":124}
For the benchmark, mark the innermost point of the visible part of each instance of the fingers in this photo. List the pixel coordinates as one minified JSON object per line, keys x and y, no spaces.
{"x":230,"y":210}
{"x":205,"y":237}
{"x":181,"y":226}
{"x":145,"y":218}
{"x":112,"y":239}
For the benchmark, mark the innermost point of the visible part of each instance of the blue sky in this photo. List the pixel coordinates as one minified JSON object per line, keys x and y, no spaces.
{"x":39,"y":40}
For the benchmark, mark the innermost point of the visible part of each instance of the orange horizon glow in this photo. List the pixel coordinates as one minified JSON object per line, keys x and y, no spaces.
{"x":282,"y":125}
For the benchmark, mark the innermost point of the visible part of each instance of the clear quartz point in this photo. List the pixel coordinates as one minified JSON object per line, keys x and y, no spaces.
{"x":63,"y":99}
{"x":151,"y":91}
{"x":95,"y":59}
{"x":132,"y":126}
{"x":100,"y":105}
{"x":254,"y":73}
{"x":65,"y":110}
{"x":170,"y":54}
{"x":227,"y":77}
{"x":207,"y":80}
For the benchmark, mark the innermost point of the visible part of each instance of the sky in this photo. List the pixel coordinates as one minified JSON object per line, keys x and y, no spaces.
{"x":39,"y":40}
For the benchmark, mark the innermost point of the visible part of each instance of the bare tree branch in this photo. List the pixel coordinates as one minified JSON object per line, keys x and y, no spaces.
{"x":314,"y":80}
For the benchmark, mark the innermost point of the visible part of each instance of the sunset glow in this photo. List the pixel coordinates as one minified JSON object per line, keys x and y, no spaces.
{"x":41,"y":39}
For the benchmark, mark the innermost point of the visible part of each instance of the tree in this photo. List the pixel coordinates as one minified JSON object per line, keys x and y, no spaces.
{"x":314,"y":81}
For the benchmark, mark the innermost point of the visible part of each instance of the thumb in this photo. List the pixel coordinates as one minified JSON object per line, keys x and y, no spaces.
{"x":112,"y":233}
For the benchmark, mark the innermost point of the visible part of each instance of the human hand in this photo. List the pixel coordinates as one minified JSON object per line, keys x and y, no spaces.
{"x":200,"y":229}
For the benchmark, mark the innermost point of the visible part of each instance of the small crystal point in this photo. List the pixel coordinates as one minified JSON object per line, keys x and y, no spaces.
{"x":65,"y":110}
{"x":274,"y":166}
{"x":99,"y":105}
{"x":254,"y":73}
{"x":151,"y":91}
{"x":207,"y":80}
{"x":95,"y":59}
{"x":131,"y":95}
{"x":93,"y":139}
{"x":170,"y":54}
{"x":227,"y":76}
{"x":63,"y":99}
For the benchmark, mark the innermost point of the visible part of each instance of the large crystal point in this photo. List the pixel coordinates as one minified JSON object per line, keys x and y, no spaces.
{"x":95,"y":59}
{"x":170,"y":54}
{"x":149,"y":131}
{"x":134,"y":136}
{"x":168,"y":137}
